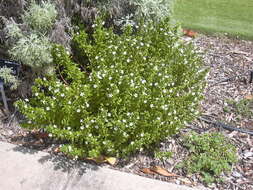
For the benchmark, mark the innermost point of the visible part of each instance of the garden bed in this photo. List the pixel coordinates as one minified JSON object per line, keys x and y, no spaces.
{"x":230,"y":63}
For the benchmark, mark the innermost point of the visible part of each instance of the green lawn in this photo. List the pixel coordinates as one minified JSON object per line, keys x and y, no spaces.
{"x":234,"y":17}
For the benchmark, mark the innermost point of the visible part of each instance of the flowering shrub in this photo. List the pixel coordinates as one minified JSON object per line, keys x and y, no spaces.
{"x":139,"y":90}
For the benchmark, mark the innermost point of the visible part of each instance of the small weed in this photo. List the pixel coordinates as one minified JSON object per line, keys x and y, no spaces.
{"x":163,"y":155}
{"x":243,"y":107}
{"x":211,"y":154}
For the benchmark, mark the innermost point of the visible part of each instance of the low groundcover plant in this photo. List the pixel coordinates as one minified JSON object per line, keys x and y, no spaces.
{"x":211,"y":154}
{"x":139,"y":88}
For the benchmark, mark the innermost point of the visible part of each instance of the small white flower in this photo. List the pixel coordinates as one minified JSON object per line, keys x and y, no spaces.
{"x":132,"y":143}
{"x":90,"y":135}
{"x":78,"y":110}
{"x":29,"y":122}
{"x":69,"y":102}
{"x":92,"y":121}
{"x":128,"y":60}
{"x":82,"y":94}
{"x":131,"y":124}
{"x":47,"y":108}
{"x":151,"y":105}
{"x":143,"y":81}
{"x":87,"y":105}
{"x":110,"y":95}
{"x":50,"y":135}
{"x":36,"y":94}
{"x":164,"y":90}
{"x":110,"y":78}
{"x":82,"y":127}
{"x":62,"y":95}
{"x":81,"y":120}
{"x":124,"y":53}
{"x":26,"y":100}
{"x":54,"y":126}
{"x":68,"y":128}
{"x":96,"y":127}
{"x":145,"y":101}
{"x":70,"y":148}
{"x":142,"y":44}
{"x":124,"y":121}
{"x":113,"y":52}
{"x":56,"y":90}
{"x":95,"y":86}
{"x":54,"y":98}
{"x":135,"y":95}
{"x":142,"y":134}
{"x":109,"y":114}
{"x":96,"y":57}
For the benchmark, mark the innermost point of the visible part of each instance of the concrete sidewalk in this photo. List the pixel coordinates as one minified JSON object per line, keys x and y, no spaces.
{"x":26,"y":169}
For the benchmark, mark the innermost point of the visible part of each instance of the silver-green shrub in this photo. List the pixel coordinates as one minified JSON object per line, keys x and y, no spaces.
{"x":33,"y":50}
{"x":30,"y":42}
{"x":153,"y":9}
{"x":7,"y":75}
{"x":40,"y":17}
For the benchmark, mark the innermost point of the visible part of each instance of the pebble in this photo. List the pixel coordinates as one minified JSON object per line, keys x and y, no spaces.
{"x":236,"y":174}
{"x":248,"y":154}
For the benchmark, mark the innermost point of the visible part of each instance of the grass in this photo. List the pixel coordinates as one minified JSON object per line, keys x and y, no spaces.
{"x":234,"y":17}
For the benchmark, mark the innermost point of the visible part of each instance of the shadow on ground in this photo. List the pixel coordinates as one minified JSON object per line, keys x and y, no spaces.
{"x":60,"y":163}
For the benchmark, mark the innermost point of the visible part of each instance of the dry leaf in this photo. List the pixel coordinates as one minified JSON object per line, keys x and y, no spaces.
{"x":57,"y":150}
{"x":41,"y":135}
{"x":185,"y":181}
{"x":249,"y":97}
{"x":103,"y":159}
{"x":189,"y":33}
{"x":98,"y":160}
{"x":161,"y":171}
{"x":147,"y":171}
{"x":111,"y":160}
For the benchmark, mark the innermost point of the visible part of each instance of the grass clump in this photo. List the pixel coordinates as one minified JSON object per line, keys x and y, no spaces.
{"x":211,"y":154}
